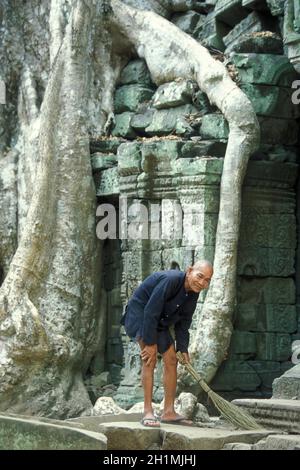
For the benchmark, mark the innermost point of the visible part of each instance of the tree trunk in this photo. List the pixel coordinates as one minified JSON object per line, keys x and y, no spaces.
{"x":48,"y":299}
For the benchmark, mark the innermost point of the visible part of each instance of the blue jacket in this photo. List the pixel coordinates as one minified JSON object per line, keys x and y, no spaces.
{"x":160,"y":301}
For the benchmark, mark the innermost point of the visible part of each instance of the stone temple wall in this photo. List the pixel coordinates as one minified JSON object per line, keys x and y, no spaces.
{"x":167,"y":147}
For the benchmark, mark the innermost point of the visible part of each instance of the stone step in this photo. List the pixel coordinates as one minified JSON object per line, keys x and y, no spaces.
{"x":273,"y":413}
{"x":131,"y":435}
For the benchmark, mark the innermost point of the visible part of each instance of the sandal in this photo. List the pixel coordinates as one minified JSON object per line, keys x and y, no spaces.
{"x":149,"y":422}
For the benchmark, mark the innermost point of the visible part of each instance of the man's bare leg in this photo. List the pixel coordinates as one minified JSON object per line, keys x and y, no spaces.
{"x":147,"y":382}
{"x":170,"y":382}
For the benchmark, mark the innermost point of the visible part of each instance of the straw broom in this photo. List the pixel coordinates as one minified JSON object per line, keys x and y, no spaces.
{"x":232,"y":413}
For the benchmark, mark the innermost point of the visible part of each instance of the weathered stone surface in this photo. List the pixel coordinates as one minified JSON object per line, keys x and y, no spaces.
{"x":276,"y":6}
{"x":142,"y":120}
{"x":108,"y":183}
{"x":189,"y":22}
{"x":269,"y":317}
{"x":166,"y":121}
{"x":235,"y":375}
{"x":24,"y":433}
{"x":230,"y":12}
{"x":123,"y":127}
{"x":129,"y":158}
{"x":106,"y":145}
{"x":186,"y":405}
{"x":254,"y":22}
{"x":277,"y":153}
{"x":266,"y":261}
{"x":265,"y":69}
{"x":129,"y":97}
{"x":204,"y":148}
{"x":136,"y":71}
{"x":259,"y":43}
{"x":214,"y":126}
{"x":278,"y":131}
{"x":273,"y":346}
{"x":106,"y":406}
{"x":172,"y":94}
{"x":212,"y":32}
{"x":243,"y":342}
{"x":204,"y":438}
{"x":283,"y":415}
{"x":278,"y":442}
{"x":133,"y":436}
{"x":237,"y":446}
{"x":268,"y":230}
{"x":102,"y":161}
{"x":266,"y":291}
{"x":271,"y":100}
{"x":288,"y":385}
{"x":186,"y":5}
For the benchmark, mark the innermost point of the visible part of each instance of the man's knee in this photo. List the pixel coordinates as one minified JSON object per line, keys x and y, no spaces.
{"x":169,"y":357}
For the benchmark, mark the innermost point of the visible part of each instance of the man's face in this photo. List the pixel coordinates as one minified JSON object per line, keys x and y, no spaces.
{"x":199,"y":278}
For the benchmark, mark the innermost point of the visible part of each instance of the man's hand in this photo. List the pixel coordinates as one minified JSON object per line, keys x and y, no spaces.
{"x":149,"y":354}
{"x":186,"y":357}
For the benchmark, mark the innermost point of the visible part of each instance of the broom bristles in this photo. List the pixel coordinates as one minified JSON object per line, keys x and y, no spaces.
{"x":232,"y":413}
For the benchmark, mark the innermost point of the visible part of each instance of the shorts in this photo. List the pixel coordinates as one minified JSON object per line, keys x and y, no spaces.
{"x":133,"y":325}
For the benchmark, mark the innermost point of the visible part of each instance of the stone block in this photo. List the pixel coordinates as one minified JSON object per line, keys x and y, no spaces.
{"x":243,"y":342}
{"x":105,"y":145}
{"x":212,"y":32}
{"x":271,"y":101}
{"x":230,"y":12}
{"x":266,"y":291}
{"x":142,"y":119}
{"x":269,"y":317}
{"x":33,"y":433}
{"x":204,"y":148}
{"x":278,"y":442}
{"x":278,"y":131}
{"x":254,"y":22}
{"x":265,"y":42}
{"x":259,"y":5}
{"x":136,"y":71}
{"x":189,"y":22}
{"x":186,"y":5}
{"x":165,"y":121}
{"x":209,"y":169}
{"x":280,"y":414}
{"x":158,"y":155}
{"x":236,"y":375}
{"x":172,"y":94}
{"x":214,"y":126}
{"x":109,"y":182}
{"x":264,"y":69}
{"x":129,"y":97}
{"x":102,"y":161}
{"x":274,"y":175}
{"x":273,"y":346}
{"x":267,"y":371}
{"x":265,"y":261}
{"x":268,"y":230}
{"x":276,"y":153}
{"x":129,"y":158}
{"x":276,"y":6}
{"x":123,"y":127}
{"x":288,"y":385}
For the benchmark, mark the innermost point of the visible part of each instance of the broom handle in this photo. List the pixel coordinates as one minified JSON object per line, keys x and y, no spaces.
{"x":193,"y":372}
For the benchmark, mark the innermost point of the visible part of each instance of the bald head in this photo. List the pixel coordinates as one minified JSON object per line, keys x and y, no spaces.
{"x":204,"y":263}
